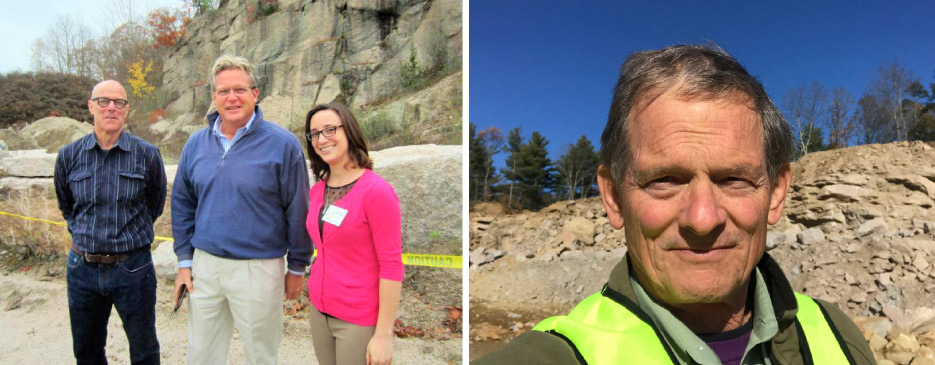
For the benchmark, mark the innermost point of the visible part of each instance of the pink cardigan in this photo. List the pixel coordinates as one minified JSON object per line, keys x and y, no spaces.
{"x":345,"y":277}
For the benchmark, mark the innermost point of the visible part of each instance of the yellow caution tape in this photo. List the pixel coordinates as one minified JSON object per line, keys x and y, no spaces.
{"x":411,"y":259}
{"x":446,"y":261}
{"x":32,"y":219}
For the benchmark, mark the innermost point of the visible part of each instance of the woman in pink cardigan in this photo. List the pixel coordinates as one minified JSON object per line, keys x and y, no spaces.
{"x":354,"y":221}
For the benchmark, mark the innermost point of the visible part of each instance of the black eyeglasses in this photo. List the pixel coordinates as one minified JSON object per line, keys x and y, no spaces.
{"x":103,"y":102}
{"x":327,"y":131}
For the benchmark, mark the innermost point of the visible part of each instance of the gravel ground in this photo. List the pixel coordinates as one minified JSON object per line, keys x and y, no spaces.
{"x":37,"y":331}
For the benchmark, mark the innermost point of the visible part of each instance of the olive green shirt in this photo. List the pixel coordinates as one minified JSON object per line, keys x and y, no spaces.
{"x":690,"y":349}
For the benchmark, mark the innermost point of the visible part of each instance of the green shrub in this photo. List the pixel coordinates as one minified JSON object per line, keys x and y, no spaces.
{"x":267,"y":7}
{"x":377,"y":127}
{"x":412,"y":75}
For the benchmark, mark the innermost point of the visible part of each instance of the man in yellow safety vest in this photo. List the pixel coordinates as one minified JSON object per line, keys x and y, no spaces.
{"x":695,"y":166}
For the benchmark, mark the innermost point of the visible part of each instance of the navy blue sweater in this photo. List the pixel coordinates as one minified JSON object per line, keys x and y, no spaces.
{"x":248,"y":203}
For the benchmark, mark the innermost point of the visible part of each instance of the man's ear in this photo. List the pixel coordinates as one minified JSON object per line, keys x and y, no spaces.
{"x":607,"y":187}
{"x":777,"y":198}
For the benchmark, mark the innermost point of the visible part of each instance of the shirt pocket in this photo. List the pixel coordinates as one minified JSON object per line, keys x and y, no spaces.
{"x":82,"y":187}
{"x":130,"y":185}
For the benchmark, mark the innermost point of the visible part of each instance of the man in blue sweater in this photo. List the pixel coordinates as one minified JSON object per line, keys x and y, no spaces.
{"x":239,"y":205}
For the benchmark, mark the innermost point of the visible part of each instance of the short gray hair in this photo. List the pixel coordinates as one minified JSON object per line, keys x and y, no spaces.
{"x":226,"y":62}
{"x":701,"y":72}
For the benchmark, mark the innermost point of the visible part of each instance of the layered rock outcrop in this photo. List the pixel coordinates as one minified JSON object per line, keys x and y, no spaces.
{"x":309,"y":52}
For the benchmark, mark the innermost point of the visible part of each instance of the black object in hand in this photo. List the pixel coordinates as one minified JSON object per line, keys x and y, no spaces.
{"x":182,"y":293}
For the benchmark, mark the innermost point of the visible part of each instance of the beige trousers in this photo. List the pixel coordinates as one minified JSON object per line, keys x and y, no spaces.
{"x":245,"y":293}
{"x":338,"y":342}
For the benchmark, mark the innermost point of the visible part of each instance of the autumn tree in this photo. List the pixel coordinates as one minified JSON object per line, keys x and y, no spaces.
{"x":805,"y":107}
{"x":889,"y":89}
{"x":840,"y":119}
{"x":492,"y":142}
{"x":121,"y":12}
{"x":577,"y":169}
{"x":64,"y":48}
{"x":137,"y":78}
{"x":483,"y":146}
{"x":167,"y":26}
{"x":870,"y":121}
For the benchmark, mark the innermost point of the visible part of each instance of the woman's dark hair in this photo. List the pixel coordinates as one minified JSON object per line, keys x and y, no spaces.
{"x":356,"y":144}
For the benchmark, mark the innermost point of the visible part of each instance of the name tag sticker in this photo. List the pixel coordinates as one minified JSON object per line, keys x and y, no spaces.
{"x":334,"y":215}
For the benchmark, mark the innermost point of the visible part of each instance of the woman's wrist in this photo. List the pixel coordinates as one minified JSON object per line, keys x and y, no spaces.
{"x":381,"y":335}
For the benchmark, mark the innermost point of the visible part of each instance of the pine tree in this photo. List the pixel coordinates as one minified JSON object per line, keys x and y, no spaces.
{"x":514,"y":142}
{"x":577,"y":169}
{"x":529,"y":170}
{"x":478,"y":163}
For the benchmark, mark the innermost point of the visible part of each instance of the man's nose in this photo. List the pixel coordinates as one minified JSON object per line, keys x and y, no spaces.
{"x":703,"y":214}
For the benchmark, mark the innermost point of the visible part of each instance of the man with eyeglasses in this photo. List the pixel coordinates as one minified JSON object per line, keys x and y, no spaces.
{"x":239,"y":205}
{"x":111,"y":187}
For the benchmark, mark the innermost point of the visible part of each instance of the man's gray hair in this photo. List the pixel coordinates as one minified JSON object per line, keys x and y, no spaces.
{"x":701,"y":73}
{"x":226,"y":62}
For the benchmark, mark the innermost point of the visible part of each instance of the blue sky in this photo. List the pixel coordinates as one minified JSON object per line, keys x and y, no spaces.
{"x":551,"y":66}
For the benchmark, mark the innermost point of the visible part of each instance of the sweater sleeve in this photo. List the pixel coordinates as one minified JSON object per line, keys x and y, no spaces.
{"x":184,"y":203}
{"x":383,"y":214}
{"x":294,"y":198}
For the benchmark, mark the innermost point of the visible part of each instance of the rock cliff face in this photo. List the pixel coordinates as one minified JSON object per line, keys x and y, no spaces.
{"x":858,"y":230}
{"x":317,"y":51}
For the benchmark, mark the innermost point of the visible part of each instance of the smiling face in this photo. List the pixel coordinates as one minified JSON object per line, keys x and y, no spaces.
{"x":697,"y":199}
{"x":333,"y":149}
{"x":108,"y":119}
{"x":234,"y":109}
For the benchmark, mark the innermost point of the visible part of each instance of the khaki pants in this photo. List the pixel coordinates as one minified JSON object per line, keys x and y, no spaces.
{"x":338,"y":342}
{"x":245,"y":293}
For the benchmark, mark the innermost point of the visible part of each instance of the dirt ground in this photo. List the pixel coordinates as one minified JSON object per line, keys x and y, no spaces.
{"x":35,"y":327}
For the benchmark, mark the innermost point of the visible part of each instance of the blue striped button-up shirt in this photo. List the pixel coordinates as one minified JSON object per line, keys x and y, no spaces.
{"x":110,"y":199}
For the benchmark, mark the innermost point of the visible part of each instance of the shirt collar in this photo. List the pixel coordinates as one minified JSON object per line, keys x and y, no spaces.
{"x":687,"y":346}
{"x":123,"y":141}
{"x":218,"y":121}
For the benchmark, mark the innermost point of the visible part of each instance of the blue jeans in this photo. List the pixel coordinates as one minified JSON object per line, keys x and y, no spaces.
{"x":131,"y":287}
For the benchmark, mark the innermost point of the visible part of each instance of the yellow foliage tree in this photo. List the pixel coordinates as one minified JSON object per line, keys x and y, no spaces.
{"x":137,"y":78}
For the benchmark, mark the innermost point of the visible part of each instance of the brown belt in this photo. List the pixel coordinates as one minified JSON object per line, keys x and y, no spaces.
{"x":103,"y":258}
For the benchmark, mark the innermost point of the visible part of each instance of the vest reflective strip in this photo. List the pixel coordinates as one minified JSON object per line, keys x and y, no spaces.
{"x":598,"y":327}
{"x":605,"y":332}
{"x":822,"y":344}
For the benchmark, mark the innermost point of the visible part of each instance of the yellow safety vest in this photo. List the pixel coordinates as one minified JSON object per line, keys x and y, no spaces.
{"x":599,"y":326}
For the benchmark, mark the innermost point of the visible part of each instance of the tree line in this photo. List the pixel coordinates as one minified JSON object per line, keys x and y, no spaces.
{"x":895,"y":107}
{"x":528,"y":179}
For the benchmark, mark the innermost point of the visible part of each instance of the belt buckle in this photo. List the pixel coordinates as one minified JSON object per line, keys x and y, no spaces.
{"x":100,"y":258}
{"x":108,"y":258}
